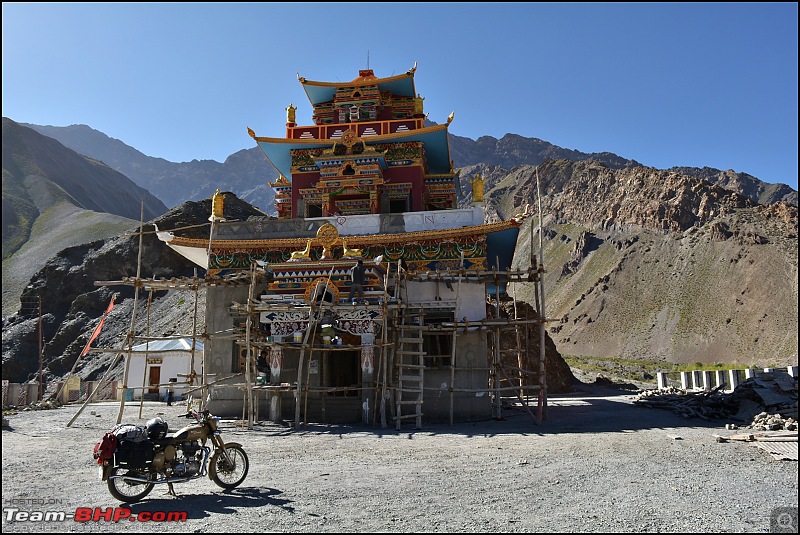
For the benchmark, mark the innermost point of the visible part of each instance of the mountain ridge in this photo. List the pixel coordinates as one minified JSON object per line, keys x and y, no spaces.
{"x":54,"y":198}
{"x":247,"y":171}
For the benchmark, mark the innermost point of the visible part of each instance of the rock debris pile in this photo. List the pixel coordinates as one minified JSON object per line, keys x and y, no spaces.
{"x":768,"y":402}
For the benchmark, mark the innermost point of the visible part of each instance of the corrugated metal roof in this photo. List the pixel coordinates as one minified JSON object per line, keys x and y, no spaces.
{"x":779,"y":450}
{"x":179,"y":344}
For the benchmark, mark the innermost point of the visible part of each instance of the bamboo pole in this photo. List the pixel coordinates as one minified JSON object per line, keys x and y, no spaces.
{"x":518,"y":393}
{"x":520,"y":351}
{"x":194,"y":330}
{"x":96,"y":388}
{"x":136,"y":286}
{"x":542,"y":315}
{"x":380,"y":386}
{"x":308,"y":378}
{"x":249,"y":352}
{"x":212,"y":383}
{"x":453,"y":345}
{"x":146,"y":350}
{"x":298,"y":391}
{"x":495,"y":365}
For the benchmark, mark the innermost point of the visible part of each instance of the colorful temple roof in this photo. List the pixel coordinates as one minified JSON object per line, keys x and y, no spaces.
{"x":401,"y":84}
{"x":366,"y":151}
{"x":434,"y":139}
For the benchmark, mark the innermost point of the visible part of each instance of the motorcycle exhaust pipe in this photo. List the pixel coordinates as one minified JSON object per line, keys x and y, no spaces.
{"x":153,"y":481}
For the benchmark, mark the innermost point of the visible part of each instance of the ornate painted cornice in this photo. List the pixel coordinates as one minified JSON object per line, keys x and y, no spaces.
{"x":353,"y":241}
{"x":357,"y":82}
{"x":367,"y":140}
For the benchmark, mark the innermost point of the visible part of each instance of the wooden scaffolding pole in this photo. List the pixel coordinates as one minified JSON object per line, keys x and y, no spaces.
{"x":136,"y":286}
{"x":380,"y":377}
{"x":298,"y":391}
{"x":249,"y":350}
{"x":146,"y":349}
{"x":455,"y":336}
{"x":96,"y":389}
{"x":192,"y":374}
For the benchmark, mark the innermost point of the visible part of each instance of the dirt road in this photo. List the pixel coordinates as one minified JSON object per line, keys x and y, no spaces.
{"x":597,"y":464}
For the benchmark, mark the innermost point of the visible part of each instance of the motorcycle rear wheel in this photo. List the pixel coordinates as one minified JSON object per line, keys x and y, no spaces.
{"x":125,"y":490}
{"x":227,"y":476}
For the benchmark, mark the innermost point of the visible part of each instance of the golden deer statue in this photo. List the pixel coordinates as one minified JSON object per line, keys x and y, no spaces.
{"x":305,"y":254}
{"x":349,"y":253}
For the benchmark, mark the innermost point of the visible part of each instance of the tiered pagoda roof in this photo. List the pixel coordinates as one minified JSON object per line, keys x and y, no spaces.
{"x":369,"y":115}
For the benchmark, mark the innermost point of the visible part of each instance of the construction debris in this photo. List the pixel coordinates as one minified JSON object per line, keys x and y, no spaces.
{"x":782,"y":445}
{"x":706,"y":405}
{"x":768,"y":402}
{"x":773,"y":422}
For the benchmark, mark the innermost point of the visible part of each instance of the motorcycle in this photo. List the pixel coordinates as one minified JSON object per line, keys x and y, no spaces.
{"x":133,"y":459}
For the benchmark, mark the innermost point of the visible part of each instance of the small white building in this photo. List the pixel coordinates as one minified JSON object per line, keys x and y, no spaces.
{"x":157,"y":363}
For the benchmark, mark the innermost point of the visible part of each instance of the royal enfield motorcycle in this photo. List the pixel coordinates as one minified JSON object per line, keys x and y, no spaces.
{"x":133,"y":459}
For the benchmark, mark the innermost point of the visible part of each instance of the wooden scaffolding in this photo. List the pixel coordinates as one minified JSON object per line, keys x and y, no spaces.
{"x":515,"y":368}
{"x":395,"y":388}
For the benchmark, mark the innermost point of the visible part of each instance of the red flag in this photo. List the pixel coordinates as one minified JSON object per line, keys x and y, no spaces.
{"x":99,"y":326}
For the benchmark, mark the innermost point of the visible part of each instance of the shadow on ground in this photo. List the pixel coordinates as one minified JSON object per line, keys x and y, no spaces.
{"x":199,"y":506}
{"x":590,"y":409}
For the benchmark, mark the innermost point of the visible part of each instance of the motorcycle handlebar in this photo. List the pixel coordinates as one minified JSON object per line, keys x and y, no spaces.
{"x":197,"y":415}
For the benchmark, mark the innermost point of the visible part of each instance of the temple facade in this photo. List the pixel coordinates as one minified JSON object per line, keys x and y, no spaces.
{"x":288,"y":337}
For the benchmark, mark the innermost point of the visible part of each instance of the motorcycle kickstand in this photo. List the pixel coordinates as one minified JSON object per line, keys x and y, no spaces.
{"x":171,"y":490}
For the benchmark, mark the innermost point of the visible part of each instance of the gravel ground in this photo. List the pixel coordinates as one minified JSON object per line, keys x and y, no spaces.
{"x":598,"y":463}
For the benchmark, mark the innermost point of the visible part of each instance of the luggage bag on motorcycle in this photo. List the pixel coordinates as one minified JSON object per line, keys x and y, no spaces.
{"x":133,"y":454}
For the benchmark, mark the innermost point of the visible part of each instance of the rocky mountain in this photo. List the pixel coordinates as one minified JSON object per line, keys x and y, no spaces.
{"x":54,"y":198}
{"x":33,"y":162}
{"x":647,"y":263}
{"x":245,"y":172}
{"x":512,"y":150}
{"x":748,"y":185}
{"x":73,"y":304}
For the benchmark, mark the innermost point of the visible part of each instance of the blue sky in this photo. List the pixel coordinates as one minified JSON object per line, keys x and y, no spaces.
{"x":666,"y":84}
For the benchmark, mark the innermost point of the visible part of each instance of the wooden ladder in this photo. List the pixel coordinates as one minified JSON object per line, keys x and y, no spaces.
{"x":411,"y":369}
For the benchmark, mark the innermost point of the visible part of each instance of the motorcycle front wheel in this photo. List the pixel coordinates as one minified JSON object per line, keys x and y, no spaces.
{"x":126,"y":490}
{"x":228,"y":475}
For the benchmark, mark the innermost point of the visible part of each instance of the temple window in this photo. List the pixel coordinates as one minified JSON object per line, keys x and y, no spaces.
{"x":314,"y":210}
{"x":353,"y":113}
{"x":398,"y":206}
{"x":438,"y":347}
{"x":348,"y":170}
{"x":344,"y":374}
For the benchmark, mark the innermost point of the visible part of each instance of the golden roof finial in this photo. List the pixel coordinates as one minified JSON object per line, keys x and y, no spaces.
{"x":418,"y":104}
{"x":477,"y":188}
{"x":450,"y":117}
{"x":217,"y":205}
{"x":280,"y":182}
{"x":250,"y":131}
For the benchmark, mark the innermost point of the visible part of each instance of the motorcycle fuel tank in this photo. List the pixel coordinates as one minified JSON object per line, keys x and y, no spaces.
{"x":191,"y":432}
